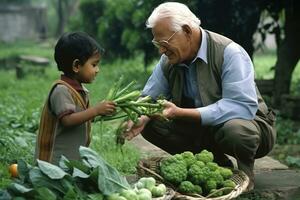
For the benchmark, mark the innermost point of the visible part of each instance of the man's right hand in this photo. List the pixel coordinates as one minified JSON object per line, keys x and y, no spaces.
{"x":132,"y":130}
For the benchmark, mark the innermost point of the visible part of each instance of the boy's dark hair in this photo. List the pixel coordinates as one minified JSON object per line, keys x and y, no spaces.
{"x":74,"y":45}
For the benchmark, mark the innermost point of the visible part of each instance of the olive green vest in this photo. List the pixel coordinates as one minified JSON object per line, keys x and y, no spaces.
{"x":208,"y":75}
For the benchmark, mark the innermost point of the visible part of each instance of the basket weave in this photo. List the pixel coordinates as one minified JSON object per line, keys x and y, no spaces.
{"x":150,"y":167}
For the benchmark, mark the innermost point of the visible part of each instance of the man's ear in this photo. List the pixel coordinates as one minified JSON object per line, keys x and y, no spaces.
{"x":75,"y":65}
{"x":187,"y":29}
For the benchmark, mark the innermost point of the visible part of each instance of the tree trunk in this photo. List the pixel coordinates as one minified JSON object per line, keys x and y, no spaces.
{"x":288,"y":52}
{"x":61,"y":18}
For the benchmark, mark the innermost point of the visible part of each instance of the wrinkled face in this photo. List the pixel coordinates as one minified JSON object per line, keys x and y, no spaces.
{"x":176,"y":45}
{"x":88,"y":71}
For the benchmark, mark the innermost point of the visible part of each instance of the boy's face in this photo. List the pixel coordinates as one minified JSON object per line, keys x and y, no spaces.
{"x":88,"y":71}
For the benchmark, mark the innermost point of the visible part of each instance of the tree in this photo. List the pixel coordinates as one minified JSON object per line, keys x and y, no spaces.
{"x":288,"y":52}
{"x":64,"y":8}
{"x":121,"y":28}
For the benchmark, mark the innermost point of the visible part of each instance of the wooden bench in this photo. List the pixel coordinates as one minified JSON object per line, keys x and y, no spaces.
{"x":31,"y":64}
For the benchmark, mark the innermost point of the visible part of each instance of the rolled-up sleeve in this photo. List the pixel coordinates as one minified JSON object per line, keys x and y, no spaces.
{"x":239,"y":98}
{"x":61,"y":101}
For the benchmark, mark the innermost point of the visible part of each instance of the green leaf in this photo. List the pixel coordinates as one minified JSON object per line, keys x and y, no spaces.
{"x":63,"y":163}
{"x":23,"y":169}
{"x":79,"y":165}
{"x":38,"y":179}
{"x":79,"y":173}
{"x":44,"y":193}
{"x":4,"y":195}
{"x":19,"y":189}
{"x":97,"y":196}
{"x":52,"y":171}
{"x":109,"y":179}
{"x":21,"y":142}
{"x":70,"y":195}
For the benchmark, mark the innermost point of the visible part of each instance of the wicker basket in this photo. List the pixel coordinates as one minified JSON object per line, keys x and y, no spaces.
{"x":168,"y":196}
{"x":150,"y":167}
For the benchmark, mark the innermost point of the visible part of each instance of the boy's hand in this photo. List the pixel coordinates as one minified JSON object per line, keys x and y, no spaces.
{"x":105,"y":108}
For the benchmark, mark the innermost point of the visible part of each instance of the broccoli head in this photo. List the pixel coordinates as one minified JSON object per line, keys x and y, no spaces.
{"x":228,"y":184}
{"x":217,"y":177}
{"x":198,"y":175}
{"x":225,"y":172}
{"x":210,"y":185}
{"x":198,"y":189}
{"x":173,"y":170}
{"x":212,"y":166}
{"x":178,"y":157}
{"x":205,"y":156}
{"x":188,"y":158}
{"x":186,"y":187}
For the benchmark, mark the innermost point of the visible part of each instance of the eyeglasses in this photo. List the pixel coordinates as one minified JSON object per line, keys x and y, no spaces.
{"x":163,"y":43}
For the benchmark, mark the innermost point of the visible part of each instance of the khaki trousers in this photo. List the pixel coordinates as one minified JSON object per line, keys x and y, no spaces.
{"x":245,"y":140}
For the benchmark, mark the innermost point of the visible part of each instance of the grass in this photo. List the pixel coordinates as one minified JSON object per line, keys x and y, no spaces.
{"x":264,"y":69}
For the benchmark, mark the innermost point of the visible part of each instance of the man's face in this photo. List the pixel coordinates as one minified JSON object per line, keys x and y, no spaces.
{"x":174,"y":44}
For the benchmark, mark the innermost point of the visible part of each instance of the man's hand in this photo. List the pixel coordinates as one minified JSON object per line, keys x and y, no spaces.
{"x":171,"y":110}
{"x":132,"y":130}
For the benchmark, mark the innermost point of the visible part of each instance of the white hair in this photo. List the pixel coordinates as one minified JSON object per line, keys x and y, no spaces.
{"x":178,"y":13}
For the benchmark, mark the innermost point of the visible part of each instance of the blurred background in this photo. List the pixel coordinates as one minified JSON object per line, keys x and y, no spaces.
{"x":268,"y":30}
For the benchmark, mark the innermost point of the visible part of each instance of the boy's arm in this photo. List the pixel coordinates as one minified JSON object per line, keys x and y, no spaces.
{"x":76,"y":118}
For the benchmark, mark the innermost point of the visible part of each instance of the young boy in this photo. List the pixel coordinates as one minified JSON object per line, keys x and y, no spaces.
{"x":66,"y":117}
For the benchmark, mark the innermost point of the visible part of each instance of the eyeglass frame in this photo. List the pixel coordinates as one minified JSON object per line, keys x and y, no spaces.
{"x":158,"y":45}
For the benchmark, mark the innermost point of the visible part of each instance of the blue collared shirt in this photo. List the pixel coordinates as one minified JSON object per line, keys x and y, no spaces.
{"x":239,"y":98}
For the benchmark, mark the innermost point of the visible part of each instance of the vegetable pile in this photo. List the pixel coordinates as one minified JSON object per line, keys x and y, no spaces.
{"x":144,"y":189}
{"x":92,"y":178}
{"x":197,"y":174}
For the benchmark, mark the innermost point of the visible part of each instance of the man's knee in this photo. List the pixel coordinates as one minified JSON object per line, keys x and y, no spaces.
{"x":238,"y":136}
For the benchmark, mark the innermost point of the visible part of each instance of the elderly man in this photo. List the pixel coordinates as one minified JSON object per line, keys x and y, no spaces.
{"x":214,"y":103}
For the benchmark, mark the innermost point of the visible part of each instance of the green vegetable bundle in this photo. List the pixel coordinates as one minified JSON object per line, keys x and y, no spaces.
{"x":130,"y":104}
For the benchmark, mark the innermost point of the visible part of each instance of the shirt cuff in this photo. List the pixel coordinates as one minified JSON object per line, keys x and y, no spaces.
{"x":206,"y":114}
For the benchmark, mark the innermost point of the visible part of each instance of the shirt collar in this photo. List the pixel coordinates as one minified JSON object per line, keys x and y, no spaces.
{"x":202,"y":51}
{"x":76,"y":85}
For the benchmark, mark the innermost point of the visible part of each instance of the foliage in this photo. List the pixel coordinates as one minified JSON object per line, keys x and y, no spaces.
{"x":71,"y":179}
{"x":121,"y":24}
{"x":288,"y":131}
{"x":88,"y":18}
{"x":17,"y":1}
